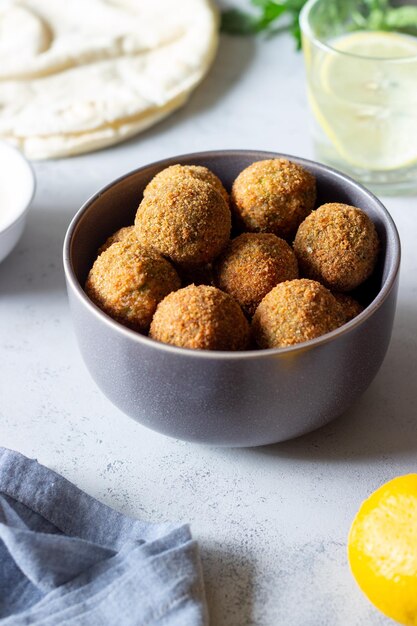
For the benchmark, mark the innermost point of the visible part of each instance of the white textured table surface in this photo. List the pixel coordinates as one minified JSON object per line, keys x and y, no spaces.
{"x":272,"y":522}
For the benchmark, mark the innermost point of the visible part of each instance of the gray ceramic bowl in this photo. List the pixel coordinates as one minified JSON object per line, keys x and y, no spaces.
{"x":230,"y":398}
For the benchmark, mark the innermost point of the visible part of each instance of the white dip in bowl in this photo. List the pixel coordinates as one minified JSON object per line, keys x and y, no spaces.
{"x":17,"y":186}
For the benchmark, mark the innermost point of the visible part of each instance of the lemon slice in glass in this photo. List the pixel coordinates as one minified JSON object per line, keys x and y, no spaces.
{"x":364,"y":97}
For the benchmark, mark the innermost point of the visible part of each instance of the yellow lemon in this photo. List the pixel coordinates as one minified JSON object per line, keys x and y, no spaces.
{"x":363,"y":93}
{"x":382,"y":549}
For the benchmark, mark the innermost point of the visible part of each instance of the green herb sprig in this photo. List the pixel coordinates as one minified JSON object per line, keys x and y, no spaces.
{"x":268,"y":13}
{"x":283,"y":15}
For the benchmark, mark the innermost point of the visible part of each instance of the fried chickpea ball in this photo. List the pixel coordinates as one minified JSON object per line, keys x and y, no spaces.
{"x":252,"y":265}
{"x":273,"y":196}
{"x":295,"y":311}
{"x":187,"y":221}
{"x":119,"y":235}
{"x":350,"y":307}
{"x":337,"y":245}
{"x":127,"y":281}
{"x":176,"y":173}
{"x":201,"y":317}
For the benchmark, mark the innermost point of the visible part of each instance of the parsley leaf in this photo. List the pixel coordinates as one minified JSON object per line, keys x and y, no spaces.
{"x":237,"y":22}
{"x":403,"y":19}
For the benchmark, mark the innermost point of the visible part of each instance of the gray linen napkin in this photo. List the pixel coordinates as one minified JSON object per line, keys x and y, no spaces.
{"x":65,"y":558}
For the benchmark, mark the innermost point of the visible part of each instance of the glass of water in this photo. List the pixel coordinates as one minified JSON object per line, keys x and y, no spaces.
{"x":361,"y":64}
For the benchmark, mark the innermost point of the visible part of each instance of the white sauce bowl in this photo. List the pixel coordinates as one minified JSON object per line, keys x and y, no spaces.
{"x":17,"y":187}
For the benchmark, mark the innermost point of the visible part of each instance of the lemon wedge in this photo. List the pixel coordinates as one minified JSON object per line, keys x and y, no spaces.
{"x":363,"y":93}
{"x":382,"y":549}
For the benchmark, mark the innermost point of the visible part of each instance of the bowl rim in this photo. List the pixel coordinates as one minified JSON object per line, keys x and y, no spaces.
{"x":382,"y":295}
{"x":26,"y":164}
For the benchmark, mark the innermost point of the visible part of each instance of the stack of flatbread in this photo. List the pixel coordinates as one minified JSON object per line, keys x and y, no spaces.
{"x":77,"y":75}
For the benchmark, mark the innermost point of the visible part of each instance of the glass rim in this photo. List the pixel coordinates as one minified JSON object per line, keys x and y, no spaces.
{"x":307,"y":30}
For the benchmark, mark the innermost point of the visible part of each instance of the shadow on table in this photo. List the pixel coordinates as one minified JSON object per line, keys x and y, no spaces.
{"x":228,"y":581}
{"x":35,"y":265}
{"x":383,"y":422}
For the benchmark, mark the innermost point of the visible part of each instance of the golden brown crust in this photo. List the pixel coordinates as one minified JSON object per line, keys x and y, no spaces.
{"x":337,"y":245}
{"x":119,"y":235}
{"x":176,"y":173}
{"x":188,"y":221}
{"x":273,"y":196}
{"x":295,"y":311}
{"x":350,"y":307}
{"x":201,"y":318}
{"x":127,"y":281}
{"x":252,"y":265}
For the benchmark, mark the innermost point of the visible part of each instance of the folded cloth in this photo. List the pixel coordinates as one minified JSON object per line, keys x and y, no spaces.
{"x":65,"y":558}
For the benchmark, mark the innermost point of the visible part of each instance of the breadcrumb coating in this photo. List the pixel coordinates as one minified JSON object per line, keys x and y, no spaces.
{"x":176,"y":173}
{"x":119,"y":235}
{"x":187,"y":221}
{"x":201,"y":317}
{"x":127,"y":281}
{"x":273,"y":196}
{"x":294,"y":312}
{"x":350,"y":307}
{"x":252,"y":265}
{"x":338,"y":246}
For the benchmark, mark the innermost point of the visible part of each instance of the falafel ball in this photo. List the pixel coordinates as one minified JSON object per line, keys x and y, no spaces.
{"x":338,"y":246}
{"x":252,"y":265}
{"x":119,"y":235}
{"x":351,"y":307}
{"x":273,"y":196}
{"x":201,"y":317}
{"x":295,"y":311}
{"x":187,"y":221}
{"x":174,"y":173}
{"x":127,"y":281}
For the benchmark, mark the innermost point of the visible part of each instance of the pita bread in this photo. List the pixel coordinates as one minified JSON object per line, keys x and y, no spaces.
{"x":77,"y":76}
